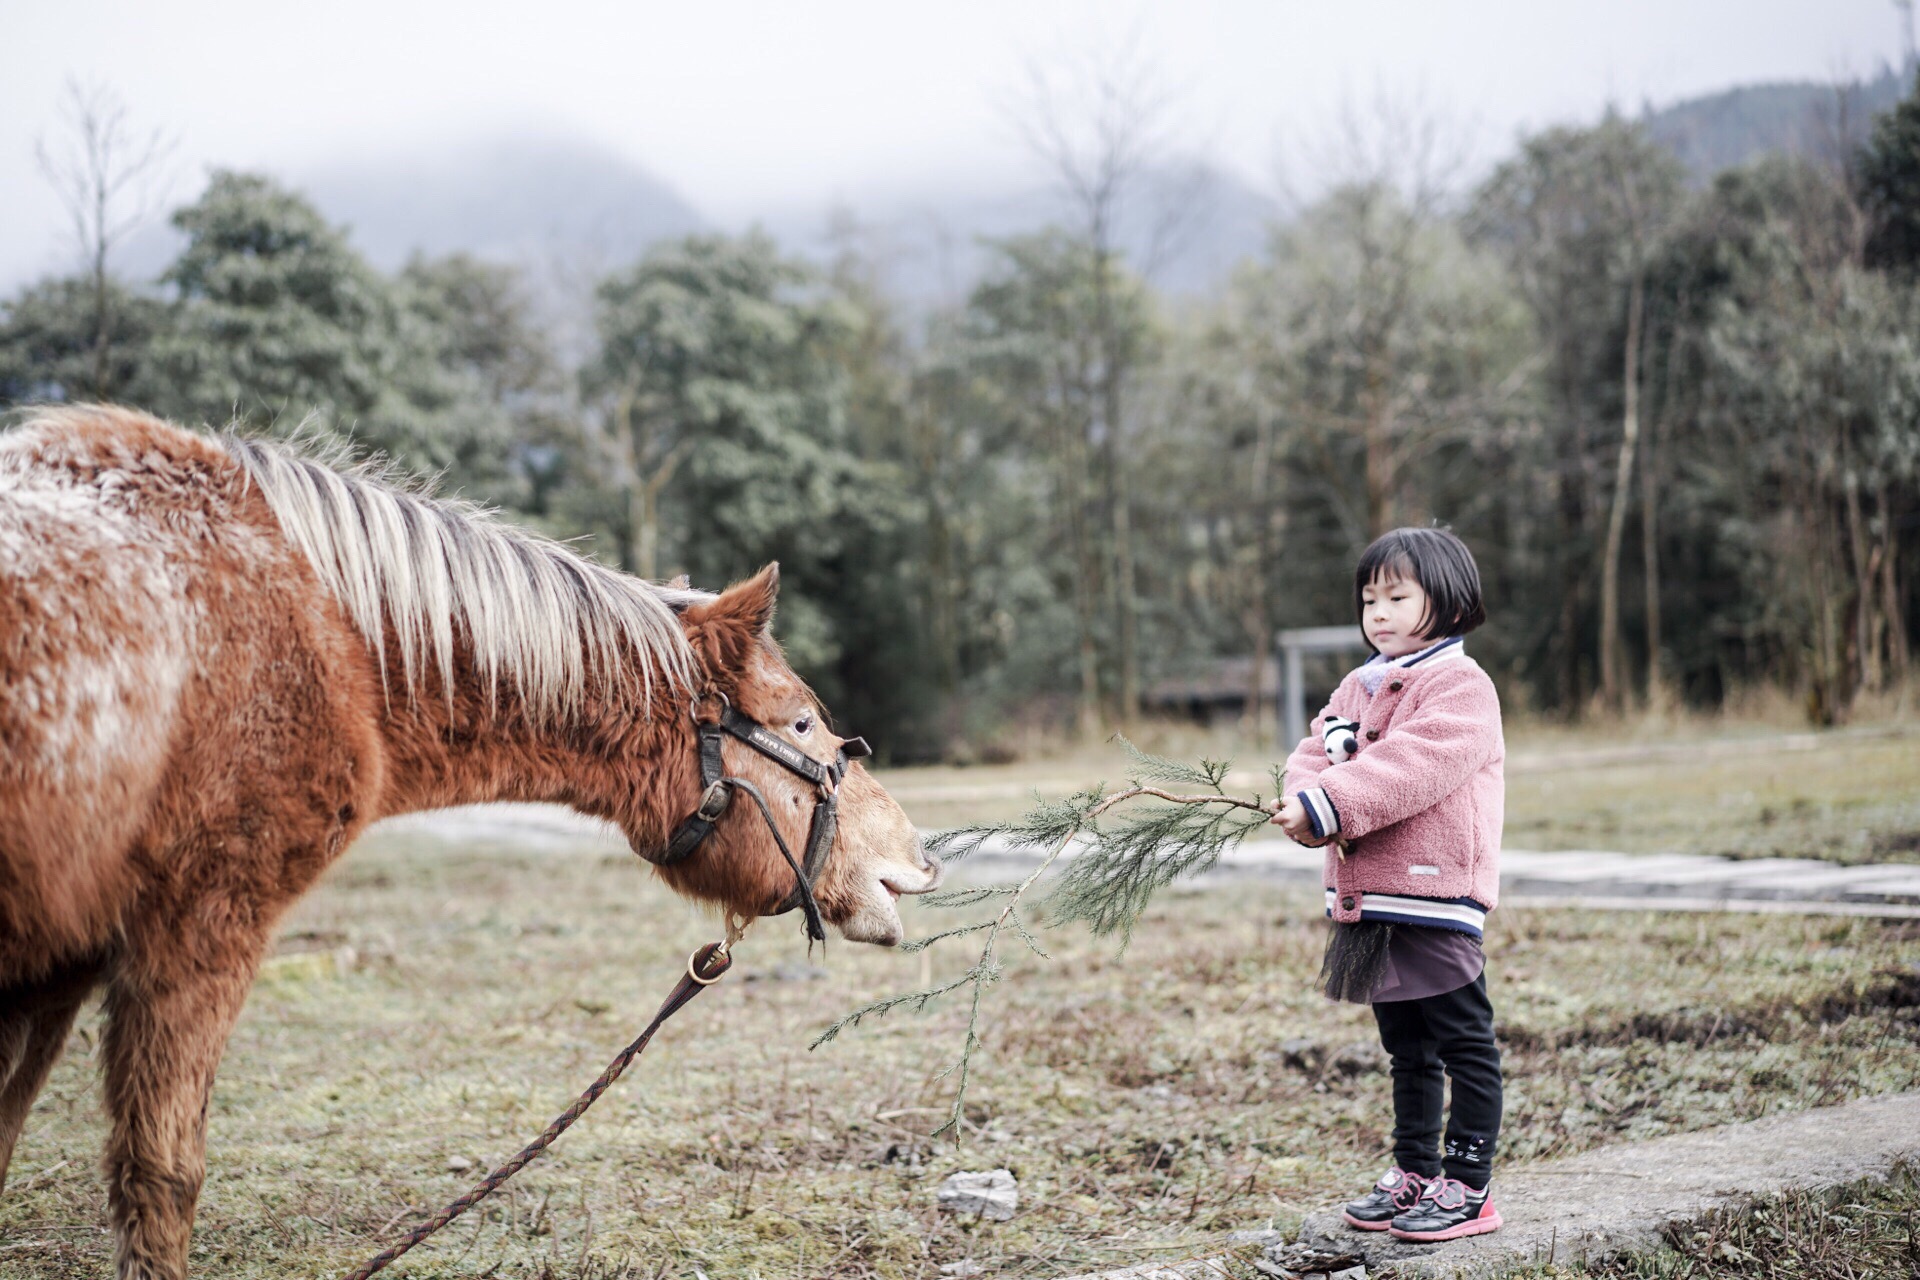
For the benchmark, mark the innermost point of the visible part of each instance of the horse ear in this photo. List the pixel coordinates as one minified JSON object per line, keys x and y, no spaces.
{"x":738,"y":615}
{"x":757,"y":596}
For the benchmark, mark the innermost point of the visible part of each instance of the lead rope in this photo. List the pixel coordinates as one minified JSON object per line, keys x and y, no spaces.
{"x":704,"y":968}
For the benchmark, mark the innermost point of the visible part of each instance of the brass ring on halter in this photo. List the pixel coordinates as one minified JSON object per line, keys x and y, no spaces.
{"x":693,"y":708}
{"x":694,"y":973}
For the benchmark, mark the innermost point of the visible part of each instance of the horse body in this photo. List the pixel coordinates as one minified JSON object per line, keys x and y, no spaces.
{"x":216,"y":669}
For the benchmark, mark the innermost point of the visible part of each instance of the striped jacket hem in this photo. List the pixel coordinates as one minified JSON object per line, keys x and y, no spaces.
{"x":1462,"y":915}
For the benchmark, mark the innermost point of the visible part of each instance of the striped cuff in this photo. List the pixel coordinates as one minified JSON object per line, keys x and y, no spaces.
{"x":1320,"y":812}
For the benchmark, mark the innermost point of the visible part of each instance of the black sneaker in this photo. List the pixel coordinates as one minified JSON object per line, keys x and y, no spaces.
{"x":1447,"y":1210}
{"x":1395,"y":1193}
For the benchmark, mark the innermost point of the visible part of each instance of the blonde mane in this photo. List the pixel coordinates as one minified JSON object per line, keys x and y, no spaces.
{"x":530,"y":608}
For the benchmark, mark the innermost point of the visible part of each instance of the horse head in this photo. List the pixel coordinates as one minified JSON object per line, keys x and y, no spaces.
{"x":873,"y":855}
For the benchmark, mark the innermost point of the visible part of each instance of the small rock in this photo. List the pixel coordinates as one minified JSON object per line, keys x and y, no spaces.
{"x":1351,"y":1273}
{"x":992,"y":1195}
{"x":1261,"y":1236}
{"x":1308,"y":1260}
{"x":458,"y":1164}
{"x":1307,"y":1055}
{"x":963,"y":1268}
{"x":1274,"y":1269}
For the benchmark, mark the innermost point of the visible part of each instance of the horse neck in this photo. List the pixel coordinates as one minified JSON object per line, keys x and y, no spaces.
{"x":483,"y":745}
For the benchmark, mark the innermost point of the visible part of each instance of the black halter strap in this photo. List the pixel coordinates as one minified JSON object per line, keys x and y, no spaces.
{"x":716,"y":796}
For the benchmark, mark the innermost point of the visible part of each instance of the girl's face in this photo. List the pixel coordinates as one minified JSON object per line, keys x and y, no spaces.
{"x":1391,"y":610}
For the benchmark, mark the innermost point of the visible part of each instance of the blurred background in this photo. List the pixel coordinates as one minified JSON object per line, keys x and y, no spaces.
{"x":1062,"y":353}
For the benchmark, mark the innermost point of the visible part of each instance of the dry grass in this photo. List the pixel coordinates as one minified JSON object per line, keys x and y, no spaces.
{"x":433,"y":1005}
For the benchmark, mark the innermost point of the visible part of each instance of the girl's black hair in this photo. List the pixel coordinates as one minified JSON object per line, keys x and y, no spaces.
{"x":1441,"y":564}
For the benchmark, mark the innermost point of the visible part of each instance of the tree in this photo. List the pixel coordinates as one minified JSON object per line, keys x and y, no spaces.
{"x":720,"y":385}
{"x":110,"y":179}
{"x":1579,"y":212}
{"x":1889,"y":181}
{"x":276,"y":318}
{"x":1046,"y":370}
{"x":484,"y":337}
{"x":1105,"y":139}
{"x":50,"y":342}
{"x":1807,"y":442}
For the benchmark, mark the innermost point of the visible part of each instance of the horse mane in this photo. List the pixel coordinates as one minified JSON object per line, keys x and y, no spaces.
{"x":530,"y":608}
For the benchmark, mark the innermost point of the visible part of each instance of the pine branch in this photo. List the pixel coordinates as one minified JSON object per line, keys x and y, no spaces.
{"x":1178,"y":829}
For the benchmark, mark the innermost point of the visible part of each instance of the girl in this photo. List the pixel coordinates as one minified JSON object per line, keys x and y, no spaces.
{"x":1413,"y":821}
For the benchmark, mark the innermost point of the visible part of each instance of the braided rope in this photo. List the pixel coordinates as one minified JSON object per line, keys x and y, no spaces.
{"x":704,"y":968}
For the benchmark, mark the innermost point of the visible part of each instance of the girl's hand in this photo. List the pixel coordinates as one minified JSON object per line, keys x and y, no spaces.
{"x":1291,"y":817}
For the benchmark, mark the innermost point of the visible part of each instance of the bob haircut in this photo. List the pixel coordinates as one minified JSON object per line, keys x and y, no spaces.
{"x":1440,"y":563}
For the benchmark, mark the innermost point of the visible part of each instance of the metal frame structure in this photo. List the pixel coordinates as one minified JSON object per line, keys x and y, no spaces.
{"x":1293,"y":694}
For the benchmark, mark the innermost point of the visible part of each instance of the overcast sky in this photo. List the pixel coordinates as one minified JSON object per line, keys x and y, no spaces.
{"x":761,"y":108}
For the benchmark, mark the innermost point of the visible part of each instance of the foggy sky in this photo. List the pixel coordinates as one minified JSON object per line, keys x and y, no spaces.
{"x":757,"y":109}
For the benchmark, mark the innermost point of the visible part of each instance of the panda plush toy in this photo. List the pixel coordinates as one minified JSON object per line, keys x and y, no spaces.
{"x":1342,"y":739}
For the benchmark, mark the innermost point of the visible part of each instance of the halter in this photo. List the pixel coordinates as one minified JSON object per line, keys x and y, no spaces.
{"x":717,"y":796}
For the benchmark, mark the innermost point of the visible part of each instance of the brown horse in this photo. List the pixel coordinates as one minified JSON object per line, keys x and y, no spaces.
{"x":220,"y":660}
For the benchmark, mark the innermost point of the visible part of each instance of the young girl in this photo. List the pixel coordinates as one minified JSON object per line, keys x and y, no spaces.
{"x":1413,"y":820}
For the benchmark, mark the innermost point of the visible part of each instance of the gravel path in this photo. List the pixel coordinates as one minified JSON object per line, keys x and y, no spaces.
{"x":1594,"y":879}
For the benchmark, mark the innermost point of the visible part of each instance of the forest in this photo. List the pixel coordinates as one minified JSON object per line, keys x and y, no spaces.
{"x":1677,"y":417}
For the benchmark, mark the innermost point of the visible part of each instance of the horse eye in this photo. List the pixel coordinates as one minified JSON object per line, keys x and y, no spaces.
{"x":803,"y":726}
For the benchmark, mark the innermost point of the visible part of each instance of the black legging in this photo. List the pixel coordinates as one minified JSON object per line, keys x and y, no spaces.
{"x":1452,"y":1032}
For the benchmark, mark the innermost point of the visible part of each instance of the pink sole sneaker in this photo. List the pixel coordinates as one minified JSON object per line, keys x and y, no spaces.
{"x":1487,"y":1221}
{"x":1364,"y":1226}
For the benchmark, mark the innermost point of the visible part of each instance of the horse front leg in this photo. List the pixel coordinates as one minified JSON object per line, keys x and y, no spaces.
{"x":34,"y":1020}
{"x":167,"y":1026}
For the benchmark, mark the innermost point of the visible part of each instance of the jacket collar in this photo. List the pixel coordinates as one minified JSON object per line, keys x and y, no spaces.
{"x":1374,"y":670}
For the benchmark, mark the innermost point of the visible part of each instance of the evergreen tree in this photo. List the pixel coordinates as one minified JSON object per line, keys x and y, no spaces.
{"x":1889,"y":181}
{"x":276,"y":317}
{"x":50,"y":347}
{"x":722,"y":383}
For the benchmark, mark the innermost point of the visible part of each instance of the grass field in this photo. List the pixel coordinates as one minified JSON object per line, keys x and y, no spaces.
{"x":433,"y":1007}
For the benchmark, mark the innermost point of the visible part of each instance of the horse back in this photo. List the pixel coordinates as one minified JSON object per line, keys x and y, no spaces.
{"x":184,"y":714}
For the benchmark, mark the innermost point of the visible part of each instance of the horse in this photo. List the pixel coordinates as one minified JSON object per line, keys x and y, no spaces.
{"x":221,"y":658}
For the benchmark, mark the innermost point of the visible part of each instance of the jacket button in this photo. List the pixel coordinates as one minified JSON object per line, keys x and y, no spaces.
{"x":1346,"y":904}
{"x":1396,"y":686}
{"x":1373,"y":735}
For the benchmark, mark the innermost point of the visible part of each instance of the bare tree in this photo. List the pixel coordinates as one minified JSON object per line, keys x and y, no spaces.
{"x":1105,"y":128}
{"x":1626,"y":184}
{"x":1366,"y":253}
{"x":111,"y":178}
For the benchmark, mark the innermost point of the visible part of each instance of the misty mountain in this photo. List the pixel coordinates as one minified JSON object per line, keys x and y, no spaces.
{"x":511,"y":198}
{"x":569,"y":209}
{"x":1185,"y":228}
{"x":1720,"y":130}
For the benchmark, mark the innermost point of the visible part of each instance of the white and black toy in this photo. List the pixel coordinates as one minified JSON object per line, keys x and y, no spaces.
{"x":1342,"y":738}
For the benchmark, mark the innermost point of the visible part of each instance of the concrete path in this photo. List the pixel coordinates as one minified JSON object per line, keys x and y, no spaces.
{"x":1613,"y":1200}
{"x":1594,"y":879}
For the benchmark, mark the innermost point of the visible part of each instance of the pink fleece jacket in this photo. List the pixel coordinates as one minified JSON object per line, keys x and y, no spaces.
{"x":1421,"y":805}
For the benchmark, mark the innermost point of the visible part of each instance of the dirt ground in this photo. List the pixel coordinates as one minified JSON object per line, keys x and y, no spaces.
{"x":432,"y":1007}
